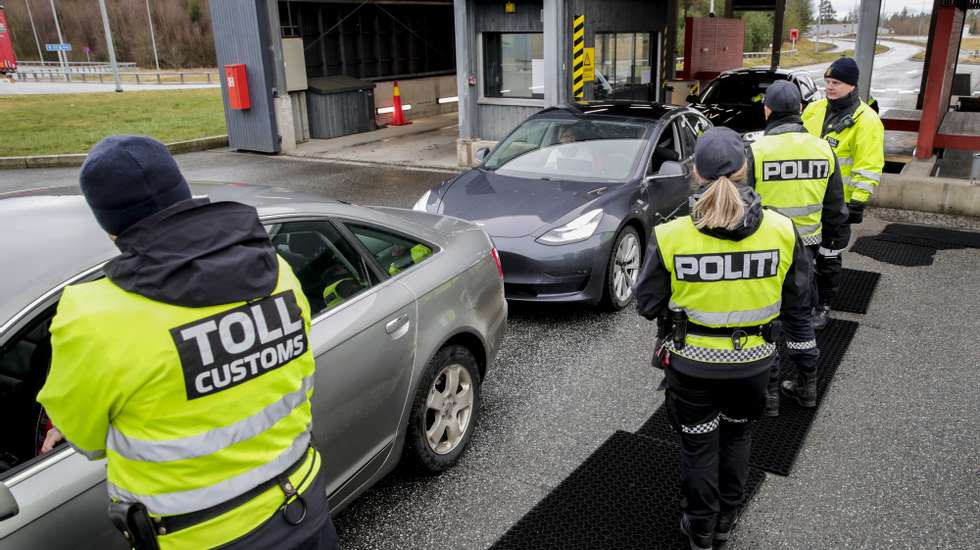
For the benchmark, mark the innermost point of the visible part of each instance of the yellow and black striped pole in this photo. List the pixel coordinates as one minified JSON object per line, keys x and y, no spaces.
{"x":578,"y":56}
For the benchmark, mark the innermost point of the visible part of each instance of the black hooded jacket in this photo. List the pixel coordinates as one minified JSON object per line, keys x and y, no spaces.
{"x":653,"y":288}
{"x":836,"y":232}
{"x":197,"y":254}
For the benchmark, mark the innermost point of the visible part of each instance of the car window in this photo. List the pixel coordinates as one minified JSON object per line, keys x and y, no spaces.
{"x":668,"y":147}
{"x":740,"y":89}
{"x":698,"y":123}
{"x":329,"y":269}
{"x":573,"y":148}
{"x":395,"y":253}
{"x":688,"y":136}
{"x":24,"y":364}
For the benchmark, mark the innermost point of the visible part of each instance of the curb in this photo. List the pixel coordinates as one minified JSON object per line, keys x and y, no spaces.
{"x":925,"y":194}
{"x":76,"y":159}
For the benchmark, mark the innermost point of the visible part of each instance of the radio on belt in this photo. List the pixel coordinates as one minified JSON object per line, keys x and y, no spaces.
{"x":237,"y":80}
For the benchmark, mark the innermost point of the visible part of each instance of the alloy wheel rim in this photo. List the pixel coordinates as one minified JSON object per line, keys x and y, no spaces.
{"x":449,"y":409}
{"x":626,"y":268}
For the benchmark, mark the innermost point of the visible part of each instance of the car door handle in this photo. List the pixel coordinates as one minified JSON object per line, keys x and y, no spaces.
{"x":396,"y":324}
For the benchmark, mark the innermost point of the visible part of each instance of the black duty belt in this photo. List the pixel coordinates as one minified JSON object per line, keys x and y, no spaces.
{"x":170,"y":524}
{"x":727,"y":332}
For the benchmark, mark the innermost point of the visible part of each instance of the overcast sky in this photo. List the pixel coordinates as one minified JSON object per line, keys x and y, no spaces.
{"x":887,"y":6}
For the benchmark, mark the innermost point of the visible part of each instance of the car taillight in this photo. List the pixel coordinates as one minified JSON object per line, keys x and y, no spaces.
{"x":496,"y":260}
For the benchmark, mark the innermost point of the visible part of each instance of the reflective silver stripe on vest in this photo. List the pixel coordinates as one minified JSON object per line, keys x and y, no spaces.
{"x":183,"y":502}
{"x":810,"y":240}
{"x":210,"y":441}
{"x":91,"y":455}
{"x":793,"y":211}
{"x":868,"y":174}
{"x":730,"y":318}
{"x":807,"y":229}
{"x":845,"y":161}
{"x":729,"y":356}
{"x":869,"y":187}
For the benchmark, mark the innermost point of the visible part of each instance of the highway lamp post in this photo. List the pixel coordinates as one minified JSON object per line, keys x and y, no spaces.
{"x":109,"y":46}
{"x":37,"y":42}
{"x":62,"y":56}
{"x":153,"y":40}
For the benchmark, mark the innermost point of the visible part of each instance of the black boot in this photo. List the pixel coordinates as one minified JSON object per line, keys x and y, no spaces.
{"x":772,"y":403}
{"x":803,"y":390}
{"x":698,"y":541}
{"x":821,"y":316}
{"x":723,"y":529}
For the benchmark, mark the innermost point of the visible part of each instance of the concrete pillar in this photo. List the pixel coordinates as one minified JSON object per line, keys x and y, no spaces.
{"x":942,"y":65}
{"x":555,"y":30}
{"x":466,"y":69}
{"x":281,"y":101}
{"x":867,"y":38}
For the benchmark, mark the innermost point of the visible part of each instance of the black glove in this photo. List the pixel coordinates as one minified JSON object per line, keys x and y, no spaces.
{"x":855,"y":212}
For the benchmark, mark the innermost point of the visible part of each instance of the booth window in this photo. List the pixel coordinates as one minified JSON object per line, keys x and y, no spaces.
{"x":513,"y":65}
{"x":623,"y":65}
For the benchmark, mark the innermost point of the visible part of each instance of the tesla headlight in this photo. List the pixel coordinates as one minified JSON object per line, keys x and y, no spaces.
{"x":749,"y":137}
{"x":423,"y":201}
{"x":579,"y":229}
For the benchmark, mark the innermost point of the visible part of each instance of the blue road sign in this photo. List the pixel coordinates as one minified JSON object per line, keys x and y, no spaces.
{"x":58,"y":47}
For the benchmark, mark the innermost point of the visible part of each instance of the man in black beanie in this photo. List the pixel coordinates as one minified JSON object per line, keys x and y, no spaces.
{"x":856,"y":134}
{"x":149,"y":367}
{"x":797,"y":175}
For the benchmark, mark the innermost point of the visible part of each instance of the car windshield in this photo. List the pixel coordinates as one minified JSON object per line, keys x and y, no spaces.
{"x":570,"y":149}
{"x":739,"y":89}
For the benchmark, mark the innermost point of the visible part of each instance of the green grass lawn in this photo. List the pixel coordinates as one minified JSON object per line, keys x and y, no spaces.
{"x":967,"y":47}
{"x":807,"y":54}
{"x":73,"y":123}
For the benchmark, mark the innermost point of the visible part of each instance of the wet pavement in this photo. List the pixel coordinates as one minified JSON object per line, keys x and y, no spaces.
{"x":891,"y":460}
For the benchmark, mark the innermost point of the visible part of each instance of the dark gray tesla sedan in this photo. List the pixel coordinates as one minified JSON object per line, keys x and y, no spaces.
{"x":571,"y":195}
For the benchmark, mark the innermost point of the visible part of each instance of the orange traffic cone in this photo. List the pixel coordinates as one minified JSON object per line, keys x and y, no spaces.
{"x":397,"y":117}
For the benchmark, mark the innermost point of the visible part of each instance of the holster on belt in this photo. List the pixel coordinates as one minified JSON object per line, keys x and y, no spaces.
{"x":132,"y":519}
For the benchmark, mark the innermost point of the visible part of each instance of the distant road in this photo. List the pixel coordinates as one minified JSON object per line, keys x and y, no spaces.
{"x":35,"y":88}
{"x":895,"y":80}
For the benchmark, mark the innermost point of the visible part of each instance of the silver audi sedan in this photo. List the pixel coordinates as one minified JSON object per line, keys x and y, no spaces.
{"x":408,"y":315}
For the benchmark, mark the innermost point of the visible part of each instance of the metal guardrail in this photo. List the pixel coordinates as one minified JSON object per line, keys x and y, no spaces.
{"x":73,"y":67}
{"x":103,"y":75}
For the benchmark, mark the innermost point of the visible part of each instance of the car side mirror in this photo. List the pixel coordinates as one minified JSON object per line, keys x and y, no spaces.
{"x":669,"y":169}
{"x":693,"y":98}
{"x":482,"y":153}
{"x":8,"y":504}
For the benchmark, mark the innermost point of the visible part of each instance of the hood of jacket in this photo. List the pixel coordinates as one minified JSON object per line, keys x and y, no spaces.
{"x":750,"y":220}
{"x":196,"y":254}
{"x":784,"y":123}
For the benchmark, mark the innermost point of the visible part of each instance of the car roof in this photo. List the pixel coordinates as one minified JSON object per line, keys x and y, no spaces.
{"x":50,"y":235}
{"x":635,"y":111}
{"x":760,"y":72}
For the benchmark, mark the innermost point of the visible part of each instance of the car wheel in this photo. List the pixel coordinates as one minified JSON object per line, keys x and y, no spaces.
{"x":623,"y":269}
{"x":445,"y":409}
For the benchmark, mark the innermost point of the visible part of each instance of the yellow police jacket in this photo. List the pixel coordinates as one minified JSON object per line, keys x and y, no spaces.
{"x":792,"y":173}
{"x":191,"y":406}
{"x":727,"y":283}
{"x":860,"y":148}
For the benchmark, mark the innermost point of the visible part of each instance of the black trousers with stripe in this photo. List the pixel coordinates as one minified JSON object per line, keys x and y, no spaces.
{"x":714,"y":418}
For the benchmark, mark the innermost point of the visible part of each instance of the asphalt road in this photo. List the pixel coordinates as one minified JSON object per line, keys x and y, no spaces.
{"x":891,"y":461}
{"x":895,"y":78}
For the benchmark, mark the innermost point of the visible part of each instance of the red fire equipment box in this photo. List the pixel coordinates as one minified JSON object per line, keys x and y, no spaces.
{"x":237,"y":81}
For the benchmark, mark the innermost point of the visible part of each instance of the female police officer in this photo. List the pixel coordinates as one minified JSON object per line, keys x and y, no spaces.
{"x":717,"y":280}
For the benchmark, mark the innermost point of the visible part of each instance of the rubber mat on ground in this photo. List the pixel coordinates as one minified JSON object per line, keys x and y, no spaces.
{"x":894,"y":252}
{"x":856,"y":290}
{"x":626,"y":495}
{"x":776,"y":442}
{"x":939,"y":237}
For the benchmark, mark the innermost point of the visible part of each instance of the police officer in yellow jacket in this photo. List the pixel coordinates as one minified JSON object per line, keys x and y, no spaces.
{"x":189,"y":366}
{"x":796,"y":174}
{"x":718,"y":281}
{"x":856,"y":134}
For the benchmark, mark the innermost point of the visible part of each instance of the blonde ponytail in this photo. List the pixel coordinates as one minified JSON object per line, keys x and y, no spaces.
{"x":720,"y":206}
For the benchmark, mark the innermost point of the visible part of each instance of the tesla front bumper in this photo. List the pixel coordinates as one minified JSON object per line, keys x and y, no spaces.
{"x":536,"y":272}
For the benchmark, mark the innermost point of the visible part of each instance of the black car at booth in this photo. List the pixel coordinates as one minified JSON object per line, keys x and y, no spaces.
{"x":734,"y":98}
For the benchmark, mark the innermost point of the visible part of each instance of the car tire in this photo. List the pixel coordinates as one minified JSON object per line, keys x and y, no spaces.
{"x":625,"y":260}
{"x":431,"y":444}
